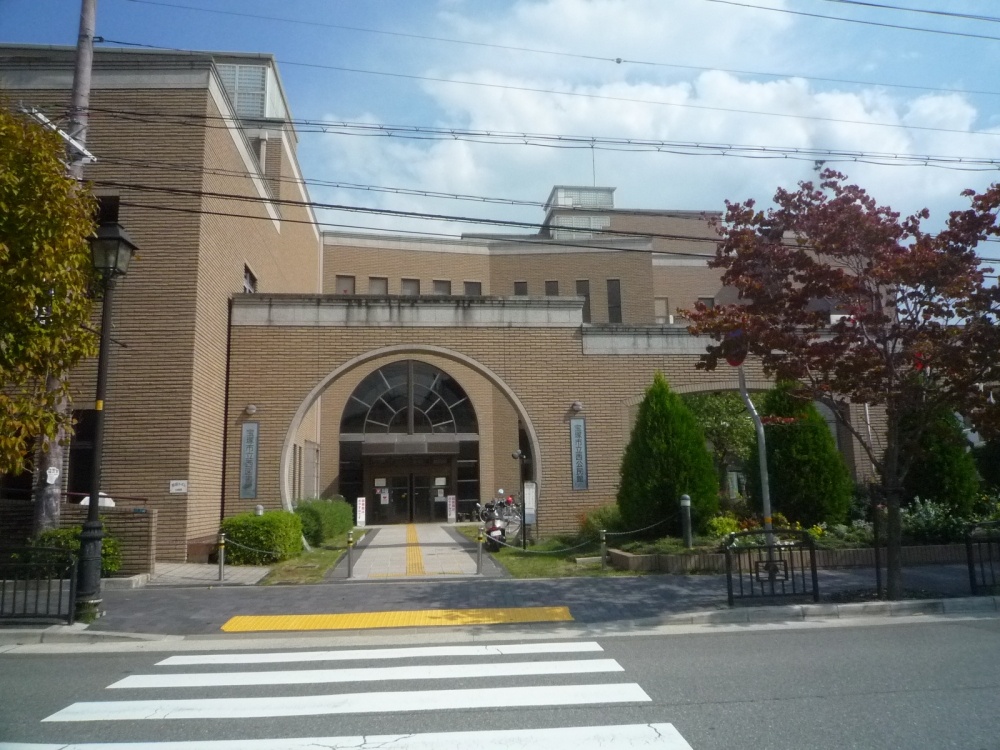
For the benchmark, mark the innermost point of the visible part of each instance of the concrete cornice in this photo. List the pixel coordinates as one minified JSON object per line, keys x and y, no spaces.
{"x":367,"y":311}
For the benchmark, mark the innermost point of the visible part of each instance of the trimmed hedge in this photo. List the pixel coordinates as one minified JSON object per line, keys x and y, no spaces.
{"x":68,"y":538}
{"x":262,"y":540}
{"x":325,"y":518}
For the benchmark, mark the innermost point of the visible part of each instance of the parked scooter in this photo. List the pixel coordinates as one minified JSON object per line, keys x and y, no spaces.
{"x":494,"y":526}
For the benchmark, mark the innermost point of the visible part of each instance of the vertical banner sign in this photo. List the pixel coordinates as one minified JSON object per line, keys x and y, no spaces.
{"x":578,"y":451}
{"x":248,"y":460}
{"x":452,"y":509}
{"x":530,"y":502}
{"x":361,"y":512}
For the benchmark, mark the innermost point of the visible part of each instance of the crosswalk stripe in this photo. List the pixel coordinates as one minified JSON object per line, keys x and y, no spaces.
{"x":425,"y":672}
{"x":511,"y":649}
{"x":349,"y":703}
{"x":634,"y":736}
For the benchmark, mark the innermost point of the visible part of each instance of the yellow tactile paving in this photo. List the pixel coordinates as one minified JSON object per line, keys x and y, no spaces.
{"x":414,"y":557}
{"x":404,"y":619}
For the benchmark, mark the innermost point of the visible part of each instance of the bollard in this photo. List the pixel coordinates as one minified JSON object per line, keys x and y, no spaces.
{"x":604,"y":550}
{"x":222,"y":555}
{"x":686,"y":520}
{"x":479,"y":556}
{"x":350,"y":554}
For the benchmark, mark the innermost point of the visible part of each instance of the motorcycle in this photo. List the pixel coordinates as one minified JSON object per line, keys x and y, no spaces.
{"x":494,"y":526}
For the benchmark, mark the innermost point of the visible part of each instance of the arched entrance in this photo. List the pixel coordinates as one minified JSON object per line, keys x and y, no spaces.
{"x":409,"y":439}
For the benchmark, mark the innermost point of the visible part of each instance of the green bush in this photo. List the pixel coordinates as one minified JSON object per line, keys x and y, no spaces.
{"x":324,"y":519}
{"x":262,"y":540}
{"x":606,"y":517}
{"x":807,"y":477}
{"x":68,"y":538}
{"x":665,"y":458}
{"x":929,"y":522}
{"x":943,"y":467}
{"x":987,"y":458}
{"x":722,"y":524}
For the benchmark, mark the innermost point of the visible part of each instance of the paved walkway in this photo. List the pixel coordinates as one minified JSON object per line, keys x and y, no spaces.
{"x":424,"y":550}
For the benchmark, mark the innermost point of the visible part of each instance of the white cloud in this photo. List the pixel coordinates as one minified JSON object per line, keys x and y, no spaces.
{"x":650,"y":102}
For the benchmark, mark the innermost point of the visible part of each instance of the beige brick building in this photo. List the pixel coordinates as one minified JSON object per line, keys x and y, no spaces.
{"x":261,"y":362}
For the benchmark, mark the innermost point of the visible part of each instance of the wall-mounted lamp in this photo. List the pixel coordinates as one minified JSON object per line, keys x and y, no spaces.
{"x":576,"y":406}
{"x":251,"y":409}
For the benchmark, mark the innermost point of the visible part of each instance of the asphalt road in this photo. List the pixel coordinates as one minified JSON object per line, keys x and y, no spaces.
{"x":892,"y":683}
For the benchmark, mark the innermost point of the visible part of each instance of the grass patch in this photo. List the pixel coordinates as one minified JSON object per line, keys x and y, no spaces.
{"x":549,"y":558}
{"x":670,"y":545}
{"x":311,"y":567}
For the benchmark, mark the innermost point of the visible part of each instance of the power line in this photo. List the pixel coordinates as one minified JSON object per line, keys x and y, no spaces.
{"x":607,"y":233}
{"x":605,"y":143}
{"x":857,"y":20}
{"x":928,"y":11}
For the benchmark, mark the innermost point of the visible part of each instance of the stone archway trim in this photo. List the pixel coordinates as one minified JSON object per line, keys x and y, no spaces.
{"x":284,"y":478}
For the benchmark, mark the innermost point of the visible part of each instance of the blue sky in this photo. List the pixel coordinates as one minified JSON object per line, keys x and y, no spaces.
{"x":756,"y":73}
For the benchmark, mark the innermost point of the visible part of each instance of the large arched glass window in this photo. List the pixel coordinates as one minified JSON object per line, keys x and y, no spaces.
{"x":409,"y":397}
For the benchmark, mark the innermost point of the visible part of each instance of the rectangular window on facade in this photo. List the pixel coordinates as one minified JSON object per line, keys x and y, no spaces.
{"x":708,"y":302}
{"x":661,"y":310}
{"x":249,"y":281}
{"x":551,"y":288}
{"x":473,"y":289}
{"x":345,"y":285}
{"x":378,"y":285}
{"x":614,"y":301}
{"x":441,"y":286}
{"x":520,"y":288}
{"x":409,"y":287}
{"x":583,"y":290}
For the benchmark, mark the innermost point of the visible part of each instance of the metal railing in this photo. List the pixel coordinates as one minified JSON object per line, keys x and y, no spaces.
{"x":771,"y":568}
{"x":37,"y":584}
{"x":982,"y":548}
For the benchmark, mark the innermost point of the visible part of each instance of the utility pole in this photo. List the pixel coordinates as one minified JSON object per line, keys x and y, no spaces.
{"x":48,"y":489}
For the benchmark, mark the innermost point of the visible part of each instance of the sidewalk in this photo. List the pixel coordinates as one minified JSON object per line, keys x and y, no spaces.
{"x":400,"y":570}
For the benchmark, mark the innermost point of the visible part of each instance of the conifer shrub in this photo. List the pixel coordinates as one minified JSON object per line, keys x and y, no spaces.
{"x":943,"y":468}
{"x":666,"y":457}
{"x":807,"y":477}
{"x":262,"y":540}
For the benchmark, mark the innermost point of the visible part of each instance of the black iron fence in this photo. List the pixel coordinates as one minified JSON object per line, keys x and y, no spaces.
{"x":37,"y":584}
{"x":771,"y":568}
{"x":982,"y":548}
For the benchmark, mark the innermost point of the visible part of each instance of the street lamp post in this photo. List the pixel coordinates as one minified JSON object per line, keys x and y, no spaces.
{"x":112,"y":249}
{"x":519,"y":456}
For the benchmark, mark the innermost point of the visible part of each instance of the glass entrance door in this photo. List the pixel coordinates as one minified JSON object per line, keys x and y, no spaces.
{"x":417,"y":494}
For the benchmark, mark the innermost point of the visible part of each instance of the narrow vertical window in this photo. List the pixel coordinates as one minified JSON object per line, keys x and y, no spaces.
{"x":249,"y":281}
{"x":661,"y":310}
{"x":614,"y":301}
{"x":583,"y":290}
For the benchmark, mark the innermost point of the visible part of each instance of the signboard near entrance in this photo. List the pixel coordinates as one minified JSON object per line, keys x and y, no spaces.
{"x":248,"y":460}
{"x":530,"y":501}
{"x":361,"y":511}
{"x":383,"y":495}
{"x":452,"y":509}
{"x":578,"y":452}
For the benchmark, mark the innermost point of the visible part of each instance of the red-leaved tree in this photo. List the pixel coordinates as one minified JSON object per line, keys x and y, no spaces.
{"x":861,"y":306}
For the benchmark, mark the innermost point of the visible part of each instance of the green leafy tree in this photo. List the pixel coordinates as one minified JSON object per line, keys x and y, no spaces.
{"x":45,"y":275}
{"x":727,"y":425}
{"x":944,"y":469}
{"x":807,"y":477}
{"x":665,"y":458}
{"x":988,"y":462}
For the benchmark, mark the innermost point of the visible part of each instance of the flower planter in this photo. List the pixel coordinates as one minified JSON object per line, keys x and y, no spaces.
{"x":715,"y":562}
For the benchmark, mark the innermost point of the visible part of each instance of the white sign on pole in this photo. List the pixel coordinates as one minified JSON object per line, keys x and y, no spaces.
{"x":452,"y":509}
{"x":383,"y":495}
{"x":530,"y":501}
{"x":361,"y":511}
